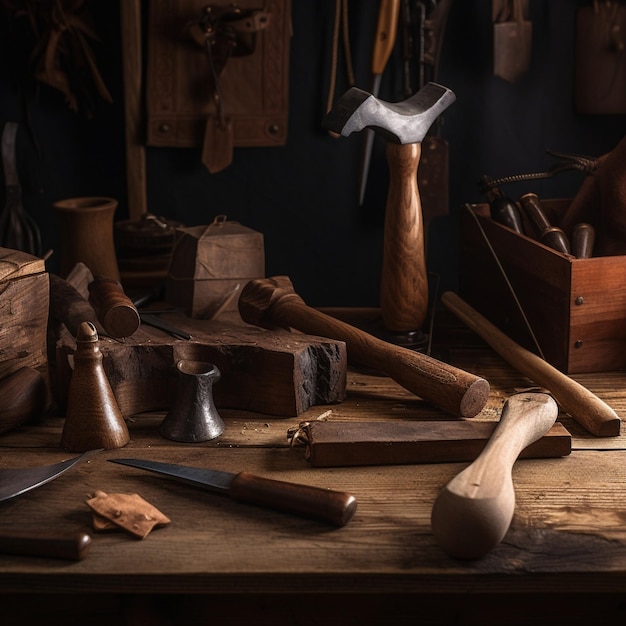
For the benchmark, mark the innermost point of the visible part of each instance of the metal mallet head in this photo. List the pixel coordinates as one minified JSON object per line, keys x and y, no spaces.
{"x":399,"y":122}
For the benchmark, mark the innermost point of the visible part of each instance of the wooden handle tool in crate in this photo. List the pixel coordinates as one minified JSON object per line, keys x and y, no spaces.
{"x":272,"y":302}
{"x":584,"y":406}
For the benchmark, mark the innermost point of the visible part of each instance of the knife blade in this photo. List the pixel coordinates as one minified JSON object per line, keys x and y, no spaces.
{"x":326,"y":505}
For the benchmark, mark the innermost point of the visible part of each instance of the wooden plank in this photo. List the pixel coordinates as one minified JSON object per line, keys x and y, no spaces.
{"x":214,"y":545}
{"x":337,"y":444}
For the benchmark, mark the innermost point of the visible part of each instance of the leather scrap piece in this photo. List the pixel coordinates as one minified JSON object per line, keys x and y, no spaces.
{"x":125,"y":511}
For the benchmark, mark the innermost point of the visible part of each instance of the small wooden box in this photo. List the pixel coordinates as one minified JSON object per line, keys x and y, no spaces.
{"x":24,"y":300}
{"x":575,"y":307}
{"x":210,"y":266}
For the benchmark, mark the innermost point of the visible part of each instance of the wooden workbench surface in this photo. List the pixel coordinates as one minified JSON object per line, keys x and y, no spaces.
{"x":568,"y":534}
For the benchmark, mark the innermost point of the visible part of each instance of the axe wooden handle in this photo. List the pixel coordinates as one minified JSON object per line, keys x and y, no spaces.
{"x":585,"y":407}
{"x":404,"y":279}
{"x":271,"y":302}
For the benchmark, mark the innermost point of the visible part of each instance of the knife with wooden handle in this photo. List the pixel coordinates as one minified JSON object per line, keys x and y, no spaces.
{"x":326,"y":505}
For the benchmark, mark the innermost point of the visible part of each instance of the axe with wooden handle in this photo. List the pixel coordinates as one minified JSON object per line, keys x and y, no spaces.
{"x":404,"y":282}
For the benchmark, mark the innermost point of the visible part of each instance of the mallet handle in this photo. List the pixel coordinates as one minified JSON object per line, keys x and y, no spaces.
{"x":585,"y":407}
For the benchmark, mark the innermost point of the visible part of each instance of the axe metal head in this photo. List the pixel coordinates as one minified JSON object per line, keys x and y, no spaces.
{"x":399,"y":122}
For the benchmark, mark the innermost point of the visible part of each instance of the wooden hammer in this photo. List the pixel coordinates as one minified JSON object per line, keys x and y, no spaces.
{"x":473,"y":512}
{"x":272,"y":302}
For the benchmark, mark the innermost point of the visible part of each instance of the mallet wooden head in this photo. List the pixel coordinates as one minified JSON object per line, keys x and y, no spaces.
{"x":259,"y":296}
{"x":399,"y":122}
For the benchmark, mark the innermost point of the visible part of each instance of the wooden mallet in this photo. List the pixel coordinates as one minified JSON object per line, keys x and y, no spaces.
{"x":272,"y":302}
{"x":474,"y":510}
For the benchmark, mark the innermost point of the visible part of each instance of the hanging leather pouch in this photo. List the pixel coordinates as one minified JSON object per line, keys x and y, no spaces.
{"x":512,"y":39}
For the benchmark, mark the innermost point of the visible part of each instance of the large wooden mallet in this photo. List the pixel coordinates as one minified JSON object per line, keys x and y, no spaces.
{"x":584,"y":406}
{"x":473,"y":512}
{"x":272,"y":302}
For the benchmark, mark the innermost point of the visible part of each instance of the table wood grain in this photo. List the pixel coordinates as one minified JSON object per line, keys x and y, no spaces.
{"x":568,"y":535}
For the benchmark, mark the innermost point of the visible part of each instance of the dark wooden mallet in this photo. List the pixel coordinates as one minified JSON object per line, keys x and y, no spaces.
{"x":272,"y":302}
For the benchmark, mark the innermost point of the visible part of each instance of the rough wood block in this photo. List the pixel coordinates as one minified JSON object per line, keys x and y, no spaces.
{"x":23,"y":312}
{"x":272,"y":372}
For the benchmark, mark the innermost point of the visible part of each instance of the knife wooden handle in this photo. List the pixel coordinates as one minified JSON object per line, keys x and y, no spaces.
{"x":584,"y":406}
{"x":71,"y":546}
{"x":325,"y":505}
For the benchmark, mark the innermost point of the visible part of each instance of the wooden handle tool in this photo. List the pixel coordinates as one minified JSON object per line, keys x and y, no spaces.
{"x":272,"y":302}
{"x":584,"y":406}
{"x":116,"y":312}
{"x":69,"y":546}
{"x":474,"y":510}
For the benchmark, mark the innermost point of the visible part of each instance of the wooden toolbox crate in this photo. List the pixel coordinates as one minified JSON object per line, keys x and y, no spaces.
{"x":575,"y":307}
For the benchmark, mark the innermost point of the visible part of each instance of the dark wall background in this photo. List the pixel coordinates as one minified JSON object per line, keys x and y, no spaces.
{"x":303,"y":196}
